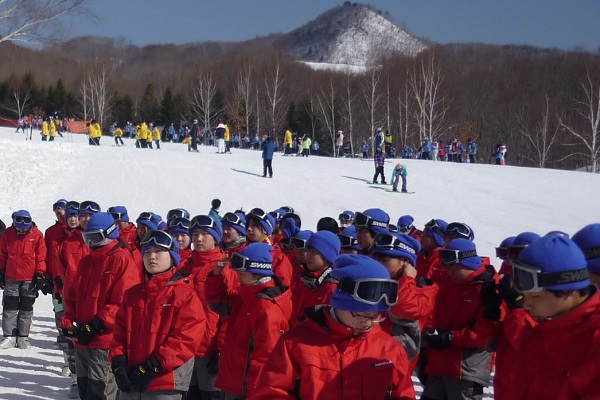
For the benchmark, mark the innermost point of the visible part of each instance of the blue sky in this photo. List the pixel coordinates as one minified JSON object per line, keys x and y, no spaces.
{"x":545,"y":23}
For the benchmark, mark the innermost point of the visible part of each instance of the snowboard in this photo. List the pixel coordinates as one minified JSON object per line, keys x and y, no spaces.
{"x":378,"y":184}
{"x":399,"y":192}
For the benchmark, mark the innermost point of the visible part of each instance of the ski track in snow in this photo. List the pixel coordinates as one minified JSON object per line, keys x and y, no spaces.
{"x":495,"y":201}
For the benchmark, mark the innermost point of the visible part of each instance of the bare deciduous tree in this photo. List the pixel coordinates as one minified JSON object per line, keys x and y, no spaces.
{"x":311,"y":111}
{"x":425,"y":83}
{"x":95,"y":99}
{"x":372,"y":96}
{"x":349,"y":101}
{"x":243,"y":92}
{"x":404,"y":114}
{"x":542,"y":137}
{"x":327,"y":105}
{"x":204,"y":93}
{"x":20,"y":89}
{"x":273,"y":90}
{"x":33,"y":20}
{"x":589,"y":110}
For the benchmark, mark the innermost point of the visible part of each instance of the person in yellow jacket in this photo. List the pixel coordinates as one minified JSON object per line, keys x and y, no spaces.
{"x":45,"y":130}
{"x":142,"y":136}
{"x":227,"y":139}
{"x":156,"y":133}
{"x":95,"y":132}
{"x":287,"y":142}
{"x":118,"y":134}
{"x":306,"y":142}
{"x":52,"y":130}
{"x":188,"y":140}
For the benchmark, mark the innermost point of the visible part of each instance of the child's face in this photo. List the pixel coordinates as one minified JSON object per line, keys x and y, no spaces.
{"x":394,"y":265}
{"x":183,"y":240}
{"x":203,"y":240}
{"x":544,"y":305}
{"x":255,"y":232}
{"x":314,"y":260}
{"x":364,"y":236}
{"x":156,"y":260}
{"x":229,"y":234}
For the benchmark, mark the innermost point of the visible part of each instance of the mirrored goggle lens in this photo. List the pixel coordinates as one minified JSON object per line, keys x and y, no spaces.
{"x":177,"y":213}
{"x":159,"y":239}
{"x":454,"y":256}
{"x":59,"y":205}
{"x":457,"y":229}
{"x":287,"y":209}
{"x":93,"y":238}
{"x":238,"y":262}
{"x":361,"y":220}
{"x":514,"y":251}
{"x":345,"y":217}
{"x":276,"y":215}
{"x":202,"y":222}
{"x":286,"y":244}
{"x":22,"y":219}
{"x":371,"y":291}
{"x":89,"y":206}
{"x":146,"y":216}
{"x":73,"y":204}
{"x":384,"y":241}
{"x":347,"y":241}
{"x":502,"y":253}
{"x":298,"y":243}
{"x":525,"y":279}
{"x":432,"y":225}
{"x":233,"y":219}
{"x":116,"y":215}
{"x":180,"y":222}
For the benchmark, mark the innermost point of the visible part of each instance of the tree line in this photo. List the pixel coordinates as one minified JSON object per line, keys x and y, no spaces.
{"x":542,"y":103}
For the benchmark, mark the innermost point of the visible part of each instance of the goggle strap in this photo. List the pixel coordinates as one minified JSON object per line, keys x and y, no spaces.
{"x":561,"y":278}
{"x":591,"y":253}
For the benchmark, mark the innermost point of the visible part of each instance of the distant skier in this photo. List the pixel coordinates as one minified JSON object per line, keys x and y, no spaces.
{"x":379,"y":165}
{"x":268,"y":149}
{"x":399,"y":172}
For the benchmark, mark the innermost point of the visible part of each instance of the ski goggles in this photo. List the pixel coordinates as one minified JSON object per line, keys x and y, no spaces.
{"x":385,"y":241}
{"x":260,"y":214}
{"x":347,"y":241}
{"x":298,"y":244}
{"x":160,"y":239}
{"x":116,"y":215}
{"x":203,"y":222}
{"x":370,"y":290}
{"x":145,"y":216}
{"x":242,"y":263}
{"x":287,"y":209}
{"x":233,"y":219}
{"x":72,"y":205}
{"x":364,"y":221}
{"x":89,"y":206}
{"x":277,"y":215}
{"x":180,"y":222}
{"x":177,"y":213}
{"x":345,"y":217}
{"x":405,"y":229}
{"x":97,"y":236}
{"x":528,"y":279}
{"x":449,"y":257}
{"x":458,"y":230}
{"x":514,"y":251}
{"x":286,"y":244}
{"x":434,"y":227}
{"x":502,"y":253}
{"x":21,"y":219}
{"x":59,"y":205}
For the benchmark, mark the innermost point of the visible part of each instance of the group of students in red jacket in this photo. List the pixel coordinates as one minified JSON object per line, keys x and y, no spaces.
{"x":249,"y":305}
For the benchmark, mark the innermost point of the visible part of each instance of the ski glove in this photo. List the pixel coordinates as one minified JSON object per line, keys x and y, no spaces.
{"x":2,"y":280}
{"x":437,"y":338}
{"x":213,"y":363}
{"x":87,"y":332}
{"x":511,"y":296}
{"x":119,"y":368}
{"x":491,"y":300}
{"x":48,"y":286}
{"x":69,"y":332}
{"x":37,"y":283}
{"x":142,"y":375}
{"x":58,"y":283}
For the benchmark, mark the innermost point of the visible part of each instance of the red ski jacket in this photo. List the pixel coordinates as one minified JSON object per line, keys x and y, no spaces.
{"x":431,"y":267}
{"x":459,"y":310}
{"x":72,"y":250}
{"x":129,"y":235}
{"x":102,"y":278}
{"x":559,"y":357}
{"x":21,"y":256}
{"x":163,"y":317}
{"x":321,"y":358}
{"x":259,"y":315}
{"x":52,"y":237}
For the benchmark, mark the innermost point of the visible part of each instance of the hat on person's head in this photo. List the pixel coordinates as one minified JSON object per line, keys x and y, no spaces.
{"x":346,"y":216}
{"x":70,"y":211}
{"x":348,"y":238}
{"x":525,"y":238}
{"x":236,"y":220}
{"x":159,"y":238}
{"x":465,"y":253}
{"x":145,"y":218}
{"x":377,"y":220}
{"x":278,"y":214}
{"x":405,"y":223}
{"x":119,"y":213}
{"x":103,"y":221}
{"x":179,"y":225}
{"x":265,"y":220}
{"x":403,"y":246}
{"x":457,"y":230}
{"x":588,"y":240}
{"x":88,"y":207}
{"x":287,"y":209}
{"x":59,"y":204}
{"x":289,"y":228}
{"x":553,"y":254}
{"x":349,"y":268}
{"x":158,"y":221}
{"x":209,"y":224}
{"x":435,"y":229}
{"x":502,"y":249}
{"x":326,"y":243}
{"x":22,"y":219}
{"x":260,"y":260}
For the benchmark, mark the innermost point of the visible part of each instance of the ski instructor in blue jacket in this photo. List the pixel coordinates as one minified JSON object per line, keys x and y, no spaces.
{"x":268,"y":148}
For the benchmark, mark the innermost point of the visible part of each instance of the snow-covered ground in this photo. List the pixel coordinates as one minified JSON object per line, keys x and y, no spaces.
{"x":496,"y":201}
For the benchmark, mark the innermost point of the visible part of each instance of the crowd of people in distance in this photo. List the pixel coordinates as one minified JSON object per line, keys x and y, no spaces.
{"x":255,"y":305}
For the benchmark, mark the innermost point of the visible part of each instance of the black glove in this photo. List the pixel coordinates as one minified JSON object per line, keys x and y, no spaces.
{"x":37,"y":283}
{"x":2,"y":280}
{"x":511,"y":296}
{"x":69,"y":332}
{"x":58,"y":283}
{"x":142,"y":375}
{"x":213,"y":363}
{"x":48,"y":286}
{"x":119,"y":368}
{"x":491,"y":300}
{"x":87,"y":332}
{"x":437,"y":338}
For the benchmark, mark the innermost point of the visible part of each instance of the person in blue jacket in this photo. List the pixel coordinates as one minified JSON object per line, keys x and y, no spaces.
{"x":268,"y":148}
{"x":400,"y":172}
